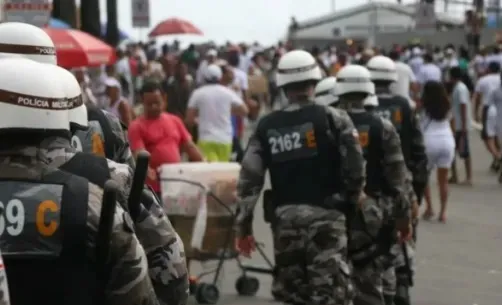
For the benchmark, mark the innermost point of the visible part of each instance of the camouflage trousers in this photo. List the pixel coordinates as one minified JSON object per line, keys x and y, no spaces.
{"x":395,"y":280}
{"x":311,"y":251}
{"x":363,"y":249}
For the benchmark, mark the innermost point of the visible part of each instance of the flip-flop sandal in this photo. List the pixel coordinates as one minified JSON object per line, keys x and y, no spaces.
{"x":452,"y":181}
{"x":442,"y":219}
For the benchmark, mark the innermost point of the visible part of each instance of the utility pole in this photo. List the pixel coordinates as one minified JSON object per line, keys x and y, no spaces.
{"x":333,"y":5}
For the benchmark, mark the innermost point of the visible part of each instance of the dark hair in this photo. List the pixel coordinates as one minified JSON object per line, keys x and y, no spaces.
{"x":428,"y":57}
{"x":394,"y":55}
{"x":150,"y":87}
{"x":435,"y":100}
{"x":494,"y":67}
{"x":455,"y":73}
{"x":233,"y":58}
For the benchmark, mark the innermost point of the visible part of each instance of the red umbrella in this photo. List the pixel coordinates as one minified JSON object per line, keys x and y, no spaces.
{"x":174,"y":26}
{"x":78,"y":49}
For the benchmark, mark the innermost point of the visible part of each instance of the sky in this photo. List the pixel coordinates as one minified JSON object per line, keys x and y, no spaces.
{"x":265,"y":21}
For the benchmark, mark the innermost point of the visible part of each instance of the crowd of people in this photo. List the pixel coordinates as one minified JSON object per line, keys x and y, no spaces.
{"x":185,"y":103}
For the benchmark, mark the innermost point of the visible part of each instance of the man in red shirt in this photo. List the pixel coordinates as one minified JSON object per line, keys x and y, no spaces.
{"x":162,"y":134}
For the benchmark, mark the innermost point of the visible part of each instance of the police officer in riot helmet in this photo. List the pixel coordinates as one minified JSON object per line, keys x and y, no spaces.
{"x":387,"y":203}
{"x":154,"y":229}
{"x":371,"y":103}
{"x":397,"y":109}
{"x":316,"y":172}
{"x":33,"y":44}
{"x":50,"y":214}
{"x":325,"y":93}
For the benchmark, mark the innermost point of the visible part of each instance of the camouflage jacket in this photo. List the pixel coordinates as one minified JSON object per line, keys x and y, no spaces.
{"x":163,"y":246}
{"x":128,"y":282}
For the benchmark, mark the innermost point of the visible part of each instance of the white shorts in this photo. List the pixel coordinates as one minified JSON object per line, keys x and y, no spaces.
{"x":440,"y":151}
{"x":491,"y":122}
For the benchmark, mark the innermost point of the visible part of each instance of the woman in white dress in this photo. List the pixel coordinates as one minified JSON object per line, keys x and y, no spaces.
{"x":439,"y":142}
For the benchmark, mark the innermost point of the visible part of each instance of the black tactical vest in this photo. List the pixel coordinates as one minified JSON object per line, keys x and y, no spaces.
{"x":95,"y":114}
{"x":370,"y":129}
{"x":398,"y":110}
{"x":300,"y":152}
{"x":90,"y":140}
{"x":43,"y":238}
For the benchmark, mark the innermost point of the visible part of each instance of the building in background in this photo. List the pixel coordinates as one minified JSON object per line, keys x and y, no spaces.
{"x":363,"y":24}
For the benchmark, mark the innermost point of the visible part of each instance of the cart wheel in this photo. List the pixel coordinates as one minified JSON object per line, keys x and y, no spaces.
{"x":207,"y":293}
{"x":247,"y":285}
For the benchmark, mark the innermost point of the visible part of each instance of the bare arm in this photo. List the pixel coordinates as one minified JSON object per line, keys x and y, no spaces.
{"x":191,"y":117}
{"x":193,"y":152}
{"x":125,"y":113}
{"x":240,"y":110}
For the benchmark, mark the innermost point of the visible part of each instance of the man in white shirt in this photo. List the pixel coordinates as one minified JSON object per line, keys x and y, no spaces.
{"x":406,"y":84}
{"x":211,"y":107}
{"x":428,"y":71}
{"x":484,"y":88}
{"x":495,"y":100}
{"x":416,"y":60}
{"x":461,"y":110}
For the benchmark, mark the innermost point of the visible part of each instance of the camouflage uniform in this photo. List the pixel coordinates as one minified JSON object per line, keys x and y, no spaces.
{"x":310,"y":242}
{"x":128,"y":282}
{"x":417,"y":165}
{"x":392,"y":204}
{"x":122,"y":153}
{"x":163,"y":246}
{"x":4,"y":287}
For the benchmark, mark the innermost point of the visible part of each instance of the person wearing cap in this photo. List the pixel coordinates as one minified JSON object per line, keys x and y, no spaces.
{"x":416,"y":61}
{"x":57,"y":249}
{"x":428,"y":71}
{"x":211,"y":58}
{"x":210,"y":108}
{"x":309,"y":203}
{"x":116,"y":104}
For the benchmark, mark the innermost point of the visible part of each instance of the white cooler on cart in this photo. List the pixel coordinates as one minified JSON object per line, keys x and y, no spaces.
{"x":199,"y":219}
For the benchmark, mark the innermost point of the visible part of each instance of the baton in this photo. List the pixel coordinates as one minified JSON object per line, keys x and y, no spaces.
{"x":105,"y":229}
{"x":138,"y":184}
{"x":407,"y":264}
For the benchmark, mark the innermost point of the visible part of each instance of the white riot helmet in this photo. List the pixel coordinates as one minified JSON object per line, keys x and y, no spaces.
{"x":31,"y":97}
{"x":77,"y":111}
{"x":28,"y":41}
{"x":297,"y":66}
{"x":325,"y":93}
{"x":382,"y":68}
{"x":371,"y":101}
{"x":354,"y":79}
